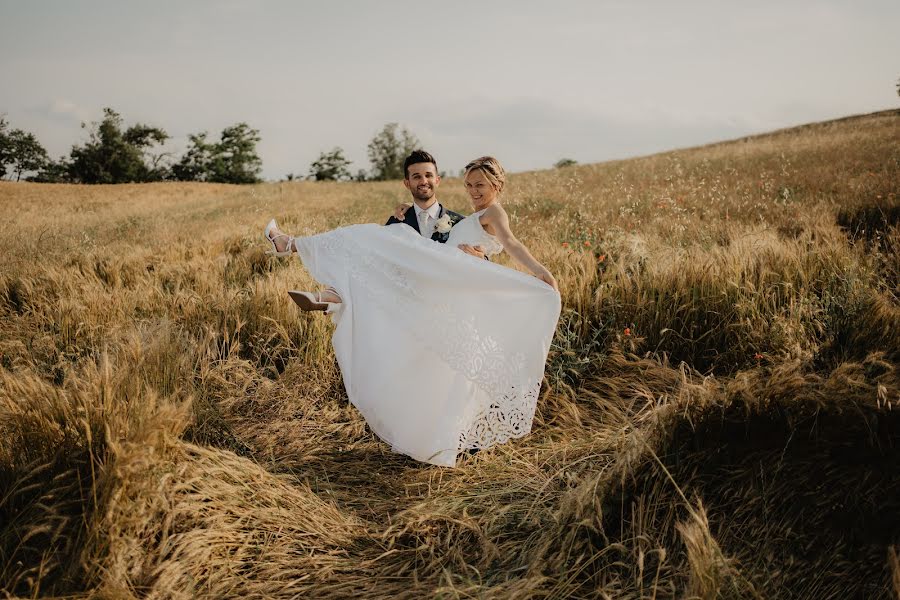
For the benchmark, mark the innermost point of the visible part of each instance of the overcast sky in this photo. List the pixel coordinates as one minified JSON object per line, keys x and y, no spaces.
{"x":529,"y":82}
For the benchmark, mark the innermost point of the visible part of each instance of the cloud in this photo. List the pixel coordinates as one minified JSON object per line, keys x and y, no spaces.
{"x":63,"y":110}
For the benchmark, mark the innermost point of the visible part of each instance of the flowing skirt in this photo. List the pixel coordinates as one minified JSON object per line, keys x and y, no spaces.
{"x":440,"y":351}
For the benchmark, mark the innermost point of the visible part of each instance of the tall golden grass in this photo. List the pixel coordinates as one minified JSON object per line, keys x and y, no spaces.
{"x":719,"y":417}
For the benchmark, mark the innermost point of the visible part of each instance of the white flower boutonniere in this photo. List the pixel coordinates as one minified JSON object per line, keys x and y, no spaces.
{"x":444,"y":224}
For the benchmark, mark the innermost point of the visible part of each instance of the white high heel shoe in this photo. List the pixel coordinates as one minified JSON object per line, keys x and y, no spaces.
{"x":309,"y":301}
{"x":274,"y":251}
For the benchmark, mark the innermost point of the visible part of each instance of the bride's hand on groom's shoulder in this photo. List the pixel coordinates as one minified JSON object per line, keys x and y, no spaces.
{"x":401,"y":209}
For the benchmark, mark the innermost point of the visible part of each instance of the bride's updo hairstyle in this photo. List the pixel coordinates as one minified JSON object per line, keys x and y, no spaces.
{"x":492,"y":170}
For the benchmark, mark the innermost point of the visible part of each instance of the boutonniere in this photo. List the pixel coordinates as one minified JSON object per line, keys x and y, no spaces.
{"x":444,"y":224}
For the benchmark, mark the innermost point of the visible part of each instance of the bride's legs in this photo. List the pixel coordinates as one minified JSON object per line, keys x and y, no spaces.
{"x":284,"y":244}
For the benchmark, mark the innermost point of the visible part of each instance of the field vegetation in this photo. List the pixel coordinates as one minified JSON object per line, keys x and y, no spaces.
{"x":719,"y":417}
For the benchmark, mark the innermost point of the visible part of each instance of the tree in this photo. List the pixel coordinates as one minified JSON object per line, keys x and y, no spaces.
{"x":53,"y":171}
{"x":388,"y":149}
{"x":565,"y":162}
{"x":115,"y":156}
{"x":27,"y":153}
{"x":196,"y":163}
{"x":20,"y":152}
{"x":233,"y":159}
{"x":5,"y":146}
{"x":330,"y":166}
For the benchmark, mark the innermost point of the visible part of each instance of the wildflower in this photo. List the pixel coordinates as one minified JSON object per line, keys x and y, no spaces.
{"x":565,"y":244}
{"x":628,"y":331}
{"x":588,"y":244}
{"x":758,"y":356}
{"x":601,"y":258}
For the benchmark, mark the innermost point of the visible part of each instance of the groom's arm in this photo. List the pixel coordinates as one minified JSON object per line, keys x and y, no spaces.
{"x":476,"y":251}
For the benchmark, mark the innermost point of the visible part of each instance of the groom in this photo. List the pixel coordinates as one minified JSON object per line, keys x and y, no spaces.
{"x":420,"y":177}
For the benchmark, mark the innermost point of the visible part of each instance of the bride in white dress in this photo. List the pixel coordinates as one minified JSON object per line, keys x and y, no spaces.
{"x":439,"y":350}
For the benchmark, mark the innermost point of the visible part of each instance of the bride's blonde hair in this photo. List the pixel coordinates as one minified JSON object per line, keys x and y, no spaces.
{"x":492,"y":170}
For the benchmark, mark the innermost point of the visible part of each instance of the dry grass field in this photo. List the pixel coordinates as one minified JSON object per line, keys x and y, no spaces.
{"x":719,"y":417}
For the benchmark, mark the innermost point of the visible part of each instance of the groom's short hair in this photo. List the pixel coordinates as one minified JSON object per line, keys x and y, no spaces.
{"x":417,"y":156}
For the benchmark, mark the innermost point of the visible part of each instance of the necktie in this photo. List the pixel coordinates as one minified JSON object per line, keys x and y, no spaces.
{"x":424,"y":217}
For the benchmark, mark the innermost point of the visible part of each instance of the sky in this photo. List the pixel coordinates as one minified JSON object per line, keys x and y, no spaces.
{"x":527,"y":81}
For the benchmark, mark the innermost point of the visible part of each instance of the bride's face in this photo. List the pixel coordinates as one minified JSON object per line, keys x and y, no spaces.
{"x":480,"y":190}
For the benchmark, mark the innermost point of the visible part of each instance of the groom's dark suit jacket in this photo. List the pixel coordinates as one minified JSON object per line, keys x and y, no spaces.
{"x":409,"y":217}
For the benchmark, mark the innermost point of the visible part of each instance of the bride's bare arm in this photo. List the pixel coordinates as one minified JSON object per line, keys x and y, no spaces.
{"x":401,"y":209}
{"x":496,"y":219}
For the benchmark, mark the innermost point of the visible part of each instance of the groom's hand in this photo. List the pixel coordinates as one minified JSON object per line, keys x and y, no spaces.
{"x":476,"y":251}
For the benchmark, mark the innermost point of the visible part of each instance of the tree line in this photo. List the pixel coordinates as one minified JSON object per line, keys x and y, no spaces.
{"x":387,"y":151}
{"x":115,"y":153}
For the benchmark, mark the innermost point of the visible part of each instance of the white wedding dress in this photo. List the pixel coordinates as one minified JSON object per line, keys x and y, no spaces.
{"x":440,"y":351}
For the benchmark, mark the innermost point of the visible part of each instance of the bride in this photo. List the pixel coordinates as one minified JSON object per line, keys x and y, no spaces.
{"x":439,"y":350}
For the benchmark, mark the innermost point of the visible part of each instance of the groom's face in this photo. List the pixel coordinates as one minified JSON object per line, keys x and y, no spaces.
{"x":422,"y":180}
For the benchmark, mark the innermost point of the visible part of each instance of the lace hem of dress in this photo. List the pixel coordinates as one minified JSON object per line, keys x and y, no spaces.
{"x":508,"y":417}
{"x":497,"y":371}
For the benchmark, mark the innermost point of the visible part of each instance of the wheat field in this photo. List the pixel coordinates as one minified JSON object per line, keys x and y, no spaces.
{"x":719,"y":417}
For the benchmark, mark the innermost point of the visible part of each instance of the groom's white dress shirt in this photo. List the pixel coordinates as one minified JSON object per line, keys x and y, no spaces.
{"x":427,"y":218}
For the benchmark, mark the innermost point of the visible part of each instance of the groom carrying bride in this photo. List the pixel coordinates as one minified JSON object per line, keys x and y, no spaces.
{"x":478,"y":332}
{"x":427,"y":216}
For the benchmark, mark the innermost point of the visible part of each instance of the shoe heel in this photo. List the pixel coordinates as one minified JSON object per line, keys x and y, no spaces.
{"x":307,"y":301}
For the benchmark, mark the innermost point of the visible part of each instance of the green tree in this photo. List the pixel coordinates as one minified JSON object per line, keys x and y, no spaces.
{"x":236,"y":160}
{"x":20,"y":152}
{"x":53,"y":171}
{"x":27,"y":153}
{"x":388,"y":149}
{"x":5,"y":146}
{"x":233,"y":159}
{"x":565,"y":162}
{"x":330,"y":166}
{"x":196,"y":162}
{"x":116,"y":156}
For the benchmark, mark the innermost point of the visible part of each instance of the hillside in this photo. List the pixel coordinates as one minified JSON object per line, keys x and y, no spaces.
{"x":719,"y":417}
